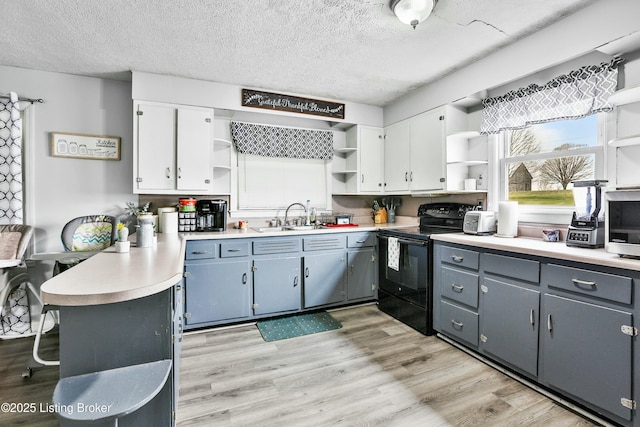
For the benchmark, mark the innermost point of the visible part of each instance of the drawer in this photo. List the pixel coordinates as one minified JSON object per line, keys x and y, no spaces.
{"x":517,"y":268}
{"x":460,"y":286}
{"x":320,"y":243}
{"x":201,"y":249}
{"x":599,"y":285}
{"x":460,"y":257}
{"x":234,"y":249}
{"x":459,"y":322}
{"x":278,"y":245}
{"x":359,"y":240}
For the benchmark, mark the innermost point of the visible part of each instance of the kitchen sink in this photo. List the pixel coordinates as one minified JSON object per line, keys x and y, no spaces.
{"x":288,"y":228}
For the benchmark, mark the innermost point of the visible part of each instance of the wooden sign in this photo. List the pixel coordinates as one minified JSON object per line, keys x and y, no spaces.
{"x":82,"y":146}
{"x":291,"y":104}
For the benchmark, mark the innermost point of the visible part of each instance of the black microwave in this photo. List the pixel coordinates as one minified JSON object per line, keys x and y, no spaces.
{"x":622,"y":234}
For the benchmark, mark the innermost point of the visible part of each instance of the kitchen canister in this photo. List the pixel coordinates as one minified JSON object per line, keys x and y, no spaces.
{"x":507,"y":219}
{"x":169,"y":222}
{"x":470,"y":184}
{"x":161,"y":212}
{"x":144,"y":235}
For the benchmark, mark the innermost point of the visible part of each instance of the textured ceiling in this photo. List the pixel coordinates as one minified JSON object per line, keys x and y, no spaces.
{"x":349,"y":50}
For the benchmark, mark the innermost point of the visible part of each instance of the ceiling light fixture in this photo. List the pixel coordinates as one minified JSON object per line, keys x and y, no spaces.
{"x":412,"y":12}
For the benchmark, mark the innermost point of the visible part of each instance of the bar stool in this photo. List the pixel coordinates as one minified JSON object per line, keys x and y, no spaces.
{"x":111,"y":394}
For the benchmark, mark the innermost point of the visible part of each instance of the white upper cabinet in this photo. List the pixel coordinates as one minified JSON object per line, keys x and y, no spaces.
{"x":415,"y":150}
{"x":172,"y":149}
{"x":371,"y":159}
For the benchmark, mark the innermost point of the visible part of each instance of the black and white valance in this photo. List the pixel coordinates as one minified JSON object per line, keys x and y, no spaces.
{"x":275,"y":141}
{"x":580,"y":93}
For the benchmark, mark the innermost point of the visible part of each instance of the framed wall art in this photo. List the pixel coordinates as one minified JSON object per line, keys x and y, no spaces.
{"x":83,"y":146}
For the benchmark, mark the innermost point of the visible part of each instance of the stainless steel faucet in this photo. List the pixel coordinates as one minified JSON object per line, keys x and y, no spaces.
{"x":286,"y":213}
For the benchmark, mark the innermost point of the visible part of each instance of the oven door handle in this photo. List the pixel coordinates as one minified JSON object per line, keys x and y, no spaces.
{"x":407,"y":241}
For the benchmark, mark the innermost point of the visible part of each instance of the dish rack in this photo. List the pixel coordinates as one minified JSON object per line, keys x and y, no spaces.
{"x":338,"y":218}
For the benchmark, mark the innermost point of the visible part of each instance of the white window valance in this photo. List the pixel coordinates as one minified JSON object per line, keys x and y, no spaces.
{"x":283,"y":142}
{"x":580,"y":93}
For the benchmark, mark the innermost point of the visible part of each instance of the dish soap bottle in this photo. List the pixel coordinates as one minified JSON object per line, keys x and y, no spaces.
{"x":312,"y":215}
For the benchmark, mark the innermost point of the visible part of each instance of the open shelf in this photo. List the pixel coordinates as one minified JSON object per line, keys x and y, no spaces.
{"x":625,"y":96}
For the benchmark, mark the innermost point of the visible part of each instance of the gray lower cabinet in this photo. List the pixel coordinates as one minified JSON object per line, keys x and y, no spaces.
{"x":586,"y":354}
{"x":510,"y":310}
{"x":568,"y":326}
{"x":361,"y":274}
{"x":324,"y":278}
{"x":362,"y":280}
{"x":510,"y":316}
{"x":277,"y":284}
{"x":217,"y":290}
{"x":234,"y":280}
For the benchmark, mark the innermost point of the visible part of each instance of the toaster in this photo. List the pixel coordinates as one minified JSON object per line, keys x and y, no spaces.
{"x":479,"y":222}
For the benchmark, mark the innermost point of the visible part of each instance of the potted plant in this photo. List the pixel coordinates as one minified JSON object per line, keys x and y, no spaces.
{"x":123,"y":232}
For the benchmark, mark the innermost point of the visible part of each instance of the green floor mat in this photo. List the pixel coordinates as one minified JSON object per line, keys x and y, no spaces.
{"x":297,"y":325}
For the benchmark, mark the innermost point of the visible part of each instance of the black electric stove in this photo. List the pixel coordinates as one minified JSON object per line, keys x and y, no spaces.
{"x":406,"y":283}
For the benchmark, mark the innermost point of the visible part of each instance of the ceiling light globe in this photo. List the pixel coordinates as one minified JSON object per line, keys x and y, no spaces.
{"x":412,"y":12}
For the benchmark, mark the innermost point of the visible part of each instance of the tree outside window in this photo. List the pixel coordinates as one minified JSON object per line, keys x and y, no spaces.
{"x":542,"y":160}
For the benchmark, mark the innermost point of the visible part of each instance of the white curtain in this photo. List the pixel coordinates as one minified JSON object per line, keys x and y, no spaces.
{"x":11,"y":201}
{"x":578,"y":94}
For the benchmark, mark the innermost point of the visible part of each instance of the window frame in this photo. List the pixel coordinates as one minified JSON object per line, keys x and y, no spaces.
{"x":543,"y":213}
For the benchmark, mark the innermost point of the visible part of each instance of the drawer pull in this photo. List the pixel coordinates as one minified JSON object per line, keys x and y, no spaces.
{"x":199,"y":252}
{"x":233,"y":250}
{"x":457,"y":324}
{"x":457,"y":258}
{"x":244,"y":278}
{"x":360,"y":241}
{"x":457,"y":288}
{"x":584,"y":283}
{"x":549,"y":324}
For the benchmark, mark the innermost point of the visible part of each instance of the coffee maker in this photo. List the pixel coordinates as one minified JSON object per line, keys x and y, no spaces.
{"x":211,"y":215}
{"x":587,"y":227}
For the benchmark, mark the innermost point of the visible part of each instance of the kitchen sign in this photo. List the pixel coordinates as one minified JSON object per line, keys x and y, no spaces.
{"x":82,"y":146}
{"x":291,"y":104}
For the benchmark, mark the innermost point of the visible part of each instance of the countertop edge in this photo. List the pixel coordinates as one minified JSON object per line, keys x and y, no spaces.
{"x":538,"y":247}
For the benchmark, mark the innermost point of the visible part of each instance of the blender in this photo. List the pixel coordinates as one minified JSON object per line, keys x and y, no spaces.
{"x":587,"y":224}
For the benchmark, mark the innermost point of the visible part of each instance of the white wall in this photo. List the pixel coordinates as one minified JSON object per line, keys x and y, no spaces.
{"x":63,"y":188}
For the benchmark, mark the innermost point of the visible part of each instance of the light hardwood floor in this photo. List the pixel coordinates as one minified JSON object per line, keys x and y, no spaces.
{"x":373,"y":371}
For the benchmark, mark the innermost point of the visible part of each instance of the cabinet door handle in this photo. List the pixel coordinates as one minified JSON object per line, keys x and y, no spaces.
{"x":244,"y":278}
{"x":549,"y":323}
{"x":406,"y":176}
{"x":531,"y":318}
{"x":584,"y":283}
{"x":457,"y":324}
{"x":351,"y":270}
{"x":306,"y":272}
{"x":411,"y":176}
{"x":362,"y":179}
{"x":457,"y":258}
{"x":179,"y":173}
{"x":168,"y":172}
{"x":295,"y":281}
{"x":457,"y":288}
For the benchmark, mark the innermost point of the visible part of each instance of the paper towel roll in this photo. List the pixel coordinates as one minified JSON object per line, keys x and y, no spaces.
{"x":470,"y":184}
{"x":507,"y":219}
{"x":169,"y":222}
{"x":162,"y":211}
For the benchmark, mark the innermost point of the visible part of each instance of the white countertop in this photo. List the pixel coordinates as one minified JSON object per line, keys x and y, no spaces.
{"x":110,"y":277}
{"x":538,"y":247}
